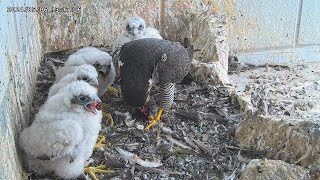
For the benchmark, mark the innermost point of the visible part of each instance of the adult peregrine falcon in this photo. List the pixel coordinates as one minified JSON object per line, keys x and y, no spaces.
{"x":150,"y":61}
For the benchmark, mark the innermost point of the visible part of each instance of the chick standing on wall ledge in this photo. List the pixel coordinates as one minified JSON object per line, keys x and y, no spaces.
{"x":64,"y":132}
{"x":101,"y":60}
{"x":149,"y":61}
{"x":135,"y":29}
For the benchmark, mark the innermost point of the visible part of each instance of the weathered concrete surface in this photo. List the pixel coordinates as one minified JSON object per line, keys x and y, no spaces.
{"x":210,"y":35}
{"x":20,"y":54}
{"x":282,"y":91}
{"x":263,"y":169}
{"x":85,"y":23}
{"x":208,"y":32}
{"x":214,"y":51}
{"x":257,"y":25}
{"x":286,"y":102}
{"x":176,"y":17}
{"x":309,"y":32}
{"x":272,"y":32}
{"x":99,"y":22}
{"x":294,"y":140}
{"x":282,"y":56}
{"x":265,"y":30}
{"x":90,"y":22}
{"x":209,"y":72}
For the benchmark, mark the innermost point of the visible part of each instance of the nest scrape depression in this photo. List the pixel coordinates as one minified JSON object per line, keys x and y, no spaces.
{"x":196,"y":141}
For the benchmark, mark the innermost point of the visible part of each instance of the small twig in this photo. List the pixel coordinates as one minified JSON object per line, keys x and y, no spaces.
{"x":159,"y":171}
{"x":232,"y":147}
{"x":203,"y":147}
{"x":178,"y":143}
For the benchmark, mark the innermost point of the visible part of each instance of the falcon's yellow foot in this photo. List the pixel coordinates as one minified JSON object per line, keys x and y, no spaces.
{"x":105,"y":106}
{"x":108,"y":116}
{"x":99,"y":169}
{"x":154,"y":120}
{"x":101,"y":142}
{"x":112,"y":90}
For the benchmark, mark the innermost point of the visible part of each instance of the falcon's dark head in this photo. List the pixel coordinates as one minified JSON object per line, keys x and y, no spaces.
{"x":135,"y":25}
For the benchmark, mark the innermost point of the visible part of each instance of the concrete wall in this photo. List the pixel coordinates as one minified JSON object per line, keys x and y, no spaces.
{"x":260,"y":32}
{"x":90,"y":23}
{"x":20,"y":54}
{"x":279,"y":32}
{"x":99,"y":22}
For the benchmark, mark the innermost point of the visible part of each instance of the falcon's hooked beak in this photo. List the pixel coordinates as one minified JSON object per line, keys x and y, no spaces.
{"x":94,"y":105}
{"x":135,"y":31}
{"x":104,"y":72}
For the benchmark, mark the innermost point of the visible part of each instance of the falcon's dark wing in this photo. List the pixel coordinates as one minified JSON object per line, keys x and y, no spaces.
{"x":140,"y":59}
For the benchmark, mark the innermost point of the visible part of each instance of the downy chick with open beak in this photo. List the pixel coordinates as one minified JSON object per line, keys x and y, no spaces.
{"x":64,"y":131}
{"x":101,"y":60}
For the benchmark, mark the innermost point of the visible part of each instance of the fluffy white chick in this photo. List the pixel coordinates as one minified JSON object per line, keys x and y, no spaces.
{"x":84,"y":72}
{"x":64,"y":132}
{"x":101,"y":60}
{"x":135,"y":29}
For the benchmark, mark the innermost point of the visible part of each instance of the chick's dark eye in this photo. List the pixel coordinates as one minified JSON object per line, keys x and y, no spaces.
{"x":85,"y":78}
{"x":83,"y":98}
{"x":140,"y":27}
{"x":97,"y":65}
{"x":127,"y":27}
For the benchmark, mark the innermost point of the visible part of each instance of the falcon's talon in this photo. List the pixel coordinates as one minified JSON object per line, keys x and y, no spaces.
{"x":154,"y":120}
{"x":108,"y":116}
{"x":99,"y":169}
{"x":150,"y":117}
{"x":105,"y":106}
{"x":100,"y":142}
{"x":112,"y":90}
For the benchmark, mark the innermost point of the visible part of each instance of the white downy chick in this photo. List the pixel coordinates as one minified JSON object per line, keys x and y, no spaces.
{"x":84,"y":72}
{"x":64,"y":132}
{"x":101,"y":60}
{"x":135,"y":29}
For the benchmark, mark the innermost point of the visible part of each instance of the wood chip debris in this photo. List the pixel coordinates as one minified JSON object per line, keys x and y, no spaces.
{"x":134,"y":159}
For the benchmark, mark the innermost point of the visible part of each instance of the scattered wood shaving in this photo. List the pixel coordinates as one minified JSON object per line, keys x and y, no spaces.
{"x":133,"y":158}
